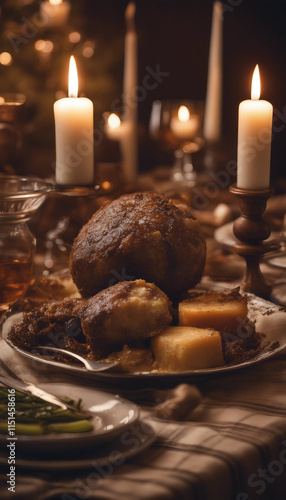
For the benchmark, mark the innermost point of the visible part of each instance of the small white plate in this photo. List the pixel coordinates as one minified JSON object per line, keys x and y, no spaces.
{"x":132,"y":441}
{"x":111,"y":416}
{"x":277,"y":260}
{"x":224,"y":235}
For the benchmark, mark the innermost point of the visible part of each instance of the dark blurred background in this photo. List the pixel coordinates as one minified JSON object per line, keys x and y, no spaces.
{"x":171,"y":33}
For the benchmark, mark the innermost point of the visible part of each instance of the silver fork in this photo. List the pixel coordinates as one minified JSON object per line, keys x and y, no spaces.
{"x":92,"y":366}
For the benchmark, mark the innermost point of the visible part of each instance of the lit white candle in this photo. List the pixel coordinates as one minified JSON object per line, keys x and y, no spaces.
{"x":129,"y":144}
{"x":254,"y":139}
{"x":55,"y":12}
{"x":212,"y":121}
{"x":74,"y":133}
{"x":185,"y":126}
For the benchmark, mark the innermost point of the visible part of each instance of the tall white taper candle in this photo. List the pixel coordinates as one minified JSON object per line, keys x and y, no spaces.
{"x":213,"y":105}
{"x":129,"y":143}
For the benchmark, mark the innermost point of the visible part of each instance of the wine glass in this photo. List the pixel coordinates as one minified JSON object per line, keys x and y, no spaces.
{"x":177,"y":127}
{"x":277,"y":259}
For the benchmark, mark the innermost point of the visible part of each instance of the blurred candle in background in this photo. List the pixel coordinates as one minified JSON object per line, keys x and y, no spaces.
{"x":74,"y":136}
{"x":185,"y":126}
{"x":112,"y":127}
{"x":115,"y":129}
{"x":213,"y":105}
{"x":55,"y":11}
{"x":254,"y":139}
{"x":129,"y":143}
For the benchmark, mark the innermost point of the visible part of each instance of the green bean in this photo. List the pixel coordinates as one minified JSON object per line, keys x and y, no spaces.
{"x":29,"y":429}
{"x":48,"y":417}
{"x":77,"y":426}
{"x":23,"y":428}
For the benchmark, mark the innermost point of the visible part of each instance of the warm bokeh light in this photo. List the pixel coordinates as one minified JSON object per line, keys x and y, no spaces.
{"x":74,"y":37}
{"x":2,"y":100}
{"x":5,"y":59}
{"x":45,"y":46}
{"x":73,"y":79}
{"x":106,"y":185}
{"x":55,"y":2}
{"x":183,"y":114}
{"x":255,"y":86}
{"x":88,"y":49}
{"x":113,"y":121}
{"x":39,"y":45}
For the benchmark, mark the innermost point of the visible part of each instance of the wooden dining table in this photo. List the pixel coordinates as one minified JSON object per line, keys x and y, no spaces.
{"x":231,"y":446}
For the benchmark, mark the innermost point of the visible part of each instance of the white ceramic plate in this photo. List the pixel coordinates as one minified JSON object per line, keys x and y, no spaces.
{"x":111,"y":416}
{"x":269,"y":319}
{"x":224,"y":235}
{"x":277,"y":260}
{"x":132,"y":441}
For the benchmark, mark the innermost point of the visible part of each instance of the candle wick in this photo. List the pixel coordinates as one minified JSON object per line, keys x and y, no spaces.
{"x":130,"y":16}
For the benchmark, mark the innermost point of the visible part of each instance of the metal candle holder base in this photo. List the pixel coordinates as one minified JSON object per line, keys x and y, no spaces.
{"x":251,"y":229}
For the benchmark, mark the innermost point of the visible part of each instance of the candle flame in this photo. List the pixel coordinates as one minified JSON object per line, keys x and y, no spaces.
{"x":73,"y":79}
{"x":113,"y":121}
{"x":183,"y":114}
{"x":255,"y":87}
{"x":55,"y":2}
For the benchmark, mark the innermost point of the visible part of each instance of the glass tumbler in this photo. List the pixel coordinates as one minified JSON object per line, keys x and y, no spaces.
{"x":19,"y":199}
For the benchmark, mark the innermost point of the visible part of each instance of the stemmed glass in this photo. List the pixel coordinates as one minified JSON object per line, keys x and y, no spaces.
{"x":177,"y":127}
{"x":277,"y":259}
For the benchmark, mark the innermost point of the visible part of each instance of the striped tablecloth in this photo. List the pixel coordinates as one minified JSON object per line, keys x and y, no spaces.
{"x":233,"y":445}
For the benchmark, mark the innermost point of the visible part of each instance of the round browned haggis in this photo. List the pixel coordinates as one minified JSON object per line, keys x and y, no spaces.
{"x":141,"y":235}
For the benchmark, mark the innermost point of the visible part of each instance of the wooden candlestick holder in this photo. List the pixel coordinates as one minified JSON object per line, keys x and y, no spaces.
{"x":251,"y":230}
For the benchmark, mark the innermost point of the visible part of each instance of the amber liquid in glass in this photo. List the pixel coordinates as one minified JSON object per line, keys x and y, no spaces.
{"x":15,"y":276}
